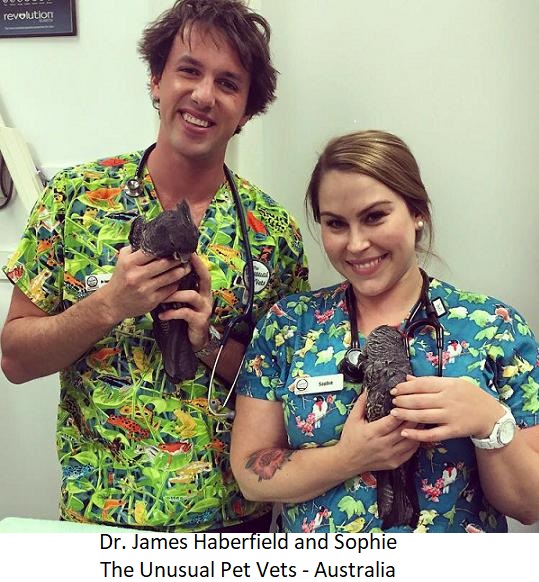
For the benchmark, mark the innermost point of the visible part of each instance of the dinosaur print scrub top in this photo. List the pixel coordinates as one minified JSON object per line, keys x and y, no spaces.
{"x":134,"y":449}
{"x":307,"y":334}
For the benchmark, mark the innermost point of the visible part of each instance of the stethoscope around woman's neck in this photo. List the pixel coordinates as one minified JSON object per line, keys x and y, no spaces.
{"x":351,"y":365}
{"x":134,"y":188}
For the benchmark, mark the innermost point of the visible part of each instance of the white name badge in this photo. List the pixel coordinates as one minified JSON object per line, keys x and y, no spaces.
{"x":261,"y":274}
{"x":439,"y":306}
{"x":93,"y":282}
{"x":316,"y":384}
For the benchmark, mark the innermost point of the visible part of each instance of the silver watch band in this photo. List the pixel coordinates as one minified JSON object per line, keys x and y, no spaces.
{"x":212,"y":345}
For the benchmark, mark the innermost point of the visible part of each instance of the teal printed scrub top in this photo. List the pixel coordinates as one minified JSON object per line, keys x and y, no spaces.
{"x":485,"y":341}
{"x":134,"y":449}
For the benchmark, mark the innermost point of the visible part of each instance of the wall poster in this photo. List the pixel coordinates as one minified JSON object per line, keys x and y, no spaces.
{"x":27,"y":18}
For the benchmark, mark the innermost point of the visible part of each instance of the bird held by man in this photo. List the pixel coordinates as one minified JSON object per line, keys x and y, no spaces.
{"x":172,"y":234}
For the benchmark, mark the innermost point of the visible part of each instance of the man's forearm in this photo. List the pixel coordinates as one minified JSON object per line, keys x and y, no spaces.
{"x":36,"y":346}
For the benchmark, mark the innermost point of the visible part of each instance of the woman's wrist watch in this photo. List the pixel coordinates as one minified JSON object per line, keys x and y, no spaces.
{"x":214,"y":342}
{"x":502,"y":433}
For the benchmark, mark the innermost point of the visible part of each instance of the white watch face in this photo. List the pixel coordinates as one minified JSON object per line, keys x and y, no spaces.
{"x":507,"y":432}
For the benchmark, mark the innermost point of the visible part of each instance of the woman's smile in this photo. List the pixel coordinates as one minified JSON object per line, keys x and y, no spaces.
{"x":366,"y":267}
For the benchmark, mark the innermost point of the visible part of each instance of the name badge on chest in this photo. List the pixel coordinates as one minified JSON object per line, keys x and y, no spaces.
{"x":317,"y":384}
{"x":93,"y":282}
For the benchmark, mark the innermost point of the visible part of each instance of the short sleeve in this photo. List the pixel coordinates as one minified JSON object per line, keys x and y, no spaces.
{"x":36,"y":266}
{"x":293,"y":262}
{"x":267,"y":358}
{"x":513,"y":355}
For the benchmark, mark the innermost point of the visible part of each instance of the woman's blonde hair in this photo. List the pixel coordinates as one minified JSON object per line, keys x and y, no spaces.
{"x":384,"y":157}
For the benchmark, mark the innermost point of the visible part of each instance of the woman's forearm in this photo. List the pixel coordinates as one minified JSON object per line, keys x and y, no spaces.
{"x":267,"y":470}
{"x":510,"y":476}
{"x":291,"y":476}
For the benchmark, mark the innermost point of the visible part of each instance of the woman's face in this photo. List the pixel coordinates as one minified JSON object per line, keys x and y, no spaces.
{"x":368,"y":232}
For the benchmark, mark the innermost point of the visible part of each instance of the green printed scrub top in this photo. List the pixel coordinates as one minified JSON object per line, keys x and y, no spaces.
{"x":134,"y":449}
{"x":485,"y":342}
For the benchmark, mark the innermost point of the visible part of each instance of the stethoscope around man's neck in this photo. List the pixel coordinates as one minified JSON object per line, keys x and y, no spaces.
{"x":351,"y":365}
{"x":134,"y":188}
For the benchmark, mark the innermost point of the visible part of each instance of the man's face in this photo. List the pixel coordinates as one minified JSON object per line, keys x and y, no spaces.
{"x":202,"y":96}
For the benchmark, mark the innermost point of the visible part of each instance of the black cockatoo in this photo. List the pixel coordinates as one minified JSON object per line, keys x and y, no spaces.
{"x":385,"y":364}
{"x":172,"y":234}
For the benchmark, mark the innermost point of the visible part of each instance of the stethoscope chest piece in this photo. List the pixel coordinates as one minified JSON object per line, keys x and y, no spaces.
{"x":351,"y":366}
{"x":133,"y":187}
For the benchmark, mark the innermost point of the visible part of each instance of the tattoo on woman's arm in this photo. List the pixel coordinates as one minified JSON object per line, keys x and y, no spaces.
{"x":265,"y":463}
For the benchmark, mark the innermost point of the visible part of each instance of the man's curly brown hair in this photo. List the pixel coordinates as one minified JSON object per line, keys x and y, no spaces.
{"x":247,"y":32}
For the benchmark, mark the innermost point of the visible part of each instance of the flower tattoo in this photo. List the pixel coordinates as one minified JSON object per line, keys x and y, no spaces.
{"x":265,"y":463}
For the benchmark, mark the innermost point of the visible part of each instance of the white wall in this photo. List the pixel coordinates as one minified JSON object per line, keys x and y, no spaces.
{"x":75,"y":98}
{"x":455,"y":79}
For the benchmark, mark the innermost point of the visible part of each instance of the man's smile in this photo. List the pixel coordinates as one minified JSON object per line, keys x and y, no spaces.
{"x":195,"y":120}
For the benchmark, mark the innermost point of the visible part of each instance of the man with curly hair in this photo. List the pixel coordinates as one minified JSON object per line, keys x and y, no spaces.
{"x":136,"y":448}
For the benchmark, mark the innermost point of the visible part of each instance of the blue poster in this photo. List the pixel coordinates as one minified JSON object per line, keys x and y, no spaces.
{"x":20,"y":18}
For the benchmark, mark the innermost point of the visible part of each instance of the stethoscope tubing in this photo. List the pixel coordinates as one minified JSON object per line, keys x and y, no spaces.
{"x":134,"y":188}
{"x":410,"y":326}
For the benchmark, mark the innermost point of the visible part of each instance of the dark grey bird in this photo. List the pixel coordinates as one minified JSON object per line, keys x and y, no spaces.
{"x":386,"y":364}
{"x":172,"y":234}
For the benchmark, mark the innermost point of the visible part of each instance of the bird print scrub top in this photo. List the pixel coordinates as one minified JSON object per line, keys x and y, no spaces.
{"x":486,"y":342}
